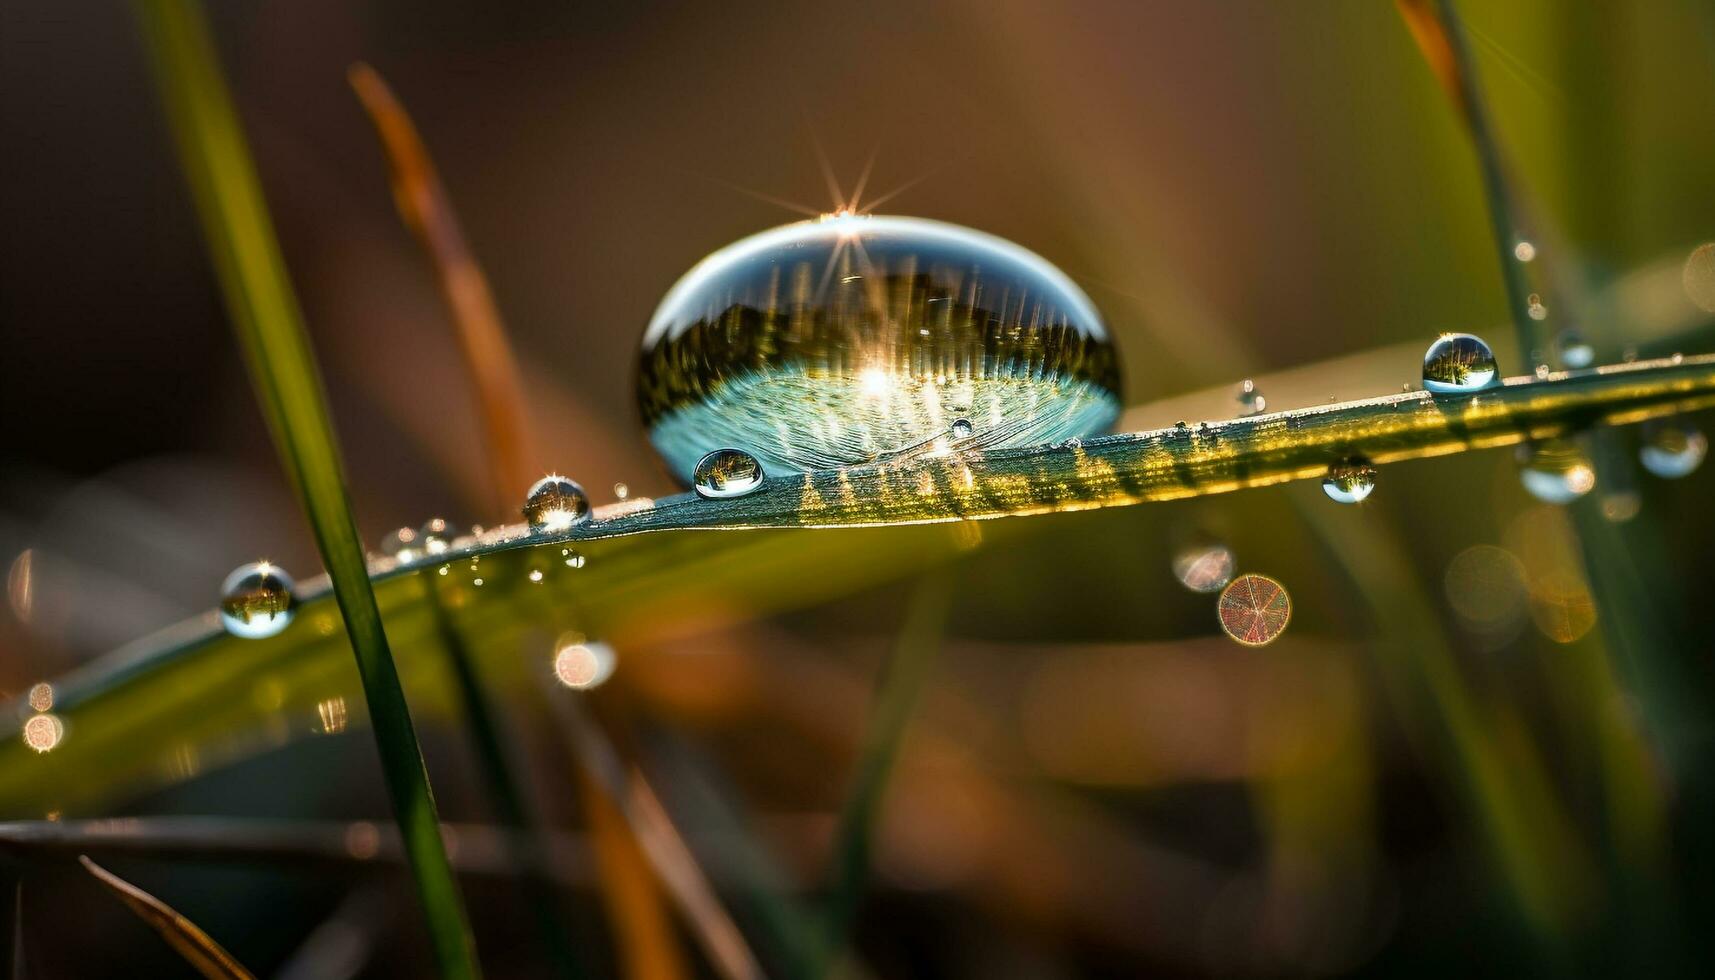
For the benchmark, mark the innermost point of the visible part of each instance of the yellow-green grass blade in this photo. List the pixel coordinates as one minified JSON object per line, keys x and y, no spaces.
{"x":265,"y":313}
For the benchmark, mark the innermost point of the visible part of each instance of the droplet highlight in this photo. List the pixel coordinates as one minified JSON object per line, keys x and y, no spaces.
{"x":256,"y":601}
{"x":726,"y":473}
{"x":436,"y":536}
{"x":1458,"y":362}
{"x":1254,"y":609}
{"x":43,"y":732}
{"x":1674,"y":450}
{"x":582,"y":664}
{"x":1556,"y":471}
{"x":1575,"y":351}
{"x":1350,"y":480}
{"x":555,"y":503}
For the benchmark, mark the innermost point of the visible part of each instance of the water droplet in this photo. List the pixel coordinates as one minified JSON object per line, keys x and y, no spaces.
{"x":1699,"y":277}
{"x":1575,"y":351}
{"x":1254,"y":609}
{"x":43,"y":732}
{"x":256,"y":601}
{"x":41,"y":696}
{"x":1524,"y":250}
{"x":1458,"y":362}
{"x":1621,"y":506}
{"x":400,"y":544}
{"x":1542,"y":372}
{"x":727,"y":473}
{"x":621,"y":491}
{"x":1349,"y":480}
{"x":1673,"y":450}
{"x":766,"y":343}
{"x":535,"y":575}
{"x":581,"y":664}
{"x":1204,"y":566}
{"x":436,"y":536}
{"x":555,"y":503}
{"x":1535,"y":308}
{"x":1555,"y":471}
{"x":962,"y":429}
{"x":573,"y":559}
{"x":1629,"y":355}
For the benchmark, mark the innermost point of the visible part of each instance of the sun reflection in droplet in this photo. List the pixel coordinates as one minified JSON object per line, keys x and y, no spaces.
{"x":43,"y":732}
{"x":582,"y":664}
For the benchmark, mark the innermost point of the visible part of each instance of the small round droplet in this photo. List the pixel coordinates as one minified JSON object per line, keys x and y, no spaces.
{"x":555,"y":503}
{"x":1555,"y":471}
{"x":581,"y":664}
{"x":535,"y":575}
{"x":400,"y":544}
{"x":41,"y":696}
{"x":1622,"y":506}
{"x":726,"y":473}
{"x":43,"y":732}
{"x":1524,"y":250}
{"x":1542,"y":372}
{"x":1458,"y":362}
{"x":1575,"y":351}
{"x":1349,"y":480}
{"x":256,"y":601}
{"x":962,"y":429}
{"x":436,"y":536}
{"x":621,"y":491}
{"x":1534,"y":307}
{"x":1673,"y":451}
{"x":1254,"y":609}
{"x":1204,"y":566}
{"x":573,"y":559}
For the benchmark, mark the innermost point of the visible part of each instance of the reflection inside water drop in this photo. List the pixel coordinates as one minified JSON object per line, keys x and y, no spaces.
{"x":1673,"y":450}
{"x":726,"y":473}
{"x":555,"y":503}
{"x":256,"y":601}
{"x":962,"y":429}
{"x":841,"y":342}
{"x":1350,"y":480}
{"x":1458,"y":362}
{"x":1555,"y":471}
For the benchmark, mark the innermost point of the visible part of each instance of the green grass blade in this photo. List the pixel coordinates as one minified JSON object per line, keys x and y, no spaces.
{"x":897,"y":694}
{"x":265,"y":313}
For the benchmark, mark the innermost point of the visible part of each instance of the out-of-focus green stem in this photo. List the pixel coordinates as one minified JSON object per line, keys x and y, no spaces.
{"x":266,"y":317}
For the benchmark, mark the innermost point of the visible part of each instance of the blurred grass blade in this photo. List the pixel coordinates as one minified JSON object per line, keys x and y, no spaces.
{"x":897,"y":694}
{"x":208,"y":957}
{"x":265,"y":314}
{"x":1440,"y":35}
{"x":624,"y":787}
{"x":424,"y":205}
{"x":17,"y":930}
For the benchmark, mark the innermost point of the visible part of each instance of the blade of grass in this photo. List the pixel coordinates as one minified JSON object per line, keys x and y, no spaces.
{"x":266,"y":316}
{"x":525,"y":843}
{"x":424,"y":206}
{"x":199,"y":950}
{"x":897,"y":694}
{"x":16,"y":958}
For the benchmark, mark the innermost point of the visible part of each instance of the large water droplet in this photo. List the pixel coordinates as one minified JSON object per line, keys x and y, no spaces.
{"x":840,"y":342}
{"x":963,"y":429}
{"x":555,"y":503}
{"x":1458,"y":362}
{"x":1575,"y":351}
{"x":582,"y":664}
{"x":256,"y":601}
{"x":726,"y":473}
{"x":1673,"y":450}
{"x":1556,"y":471}
{"x":1254,"y":609}
{"x":1204,"y":566}
{"x":1349,"y":480}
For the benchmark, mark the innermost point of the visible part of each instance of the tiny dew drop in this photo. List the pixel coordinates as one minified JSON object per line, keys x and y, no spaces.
{"x":962,"y":429}
{"x":1254,"y":609}
{"x":1458,"y":362}
{"x":256,"y":601}
{"x":1575,"y":351}
{"x":726,"y":473}
{"x":400,"y":544}
{"x":1535,"y":308}
{"x":1350,"y":480}
{"x":1674,"y":450}
{"x":1524,"y":250}
{"x":1204,"y":566}
{"x":436,"y":536}
{"x":1555,"y":471}
{"x":555,"y":503}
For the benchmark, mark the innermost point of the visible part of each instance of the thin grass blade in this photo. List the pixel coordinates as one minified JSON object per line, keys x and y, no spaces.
{"x":198,"y":949}
{"x":265,"y":314}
